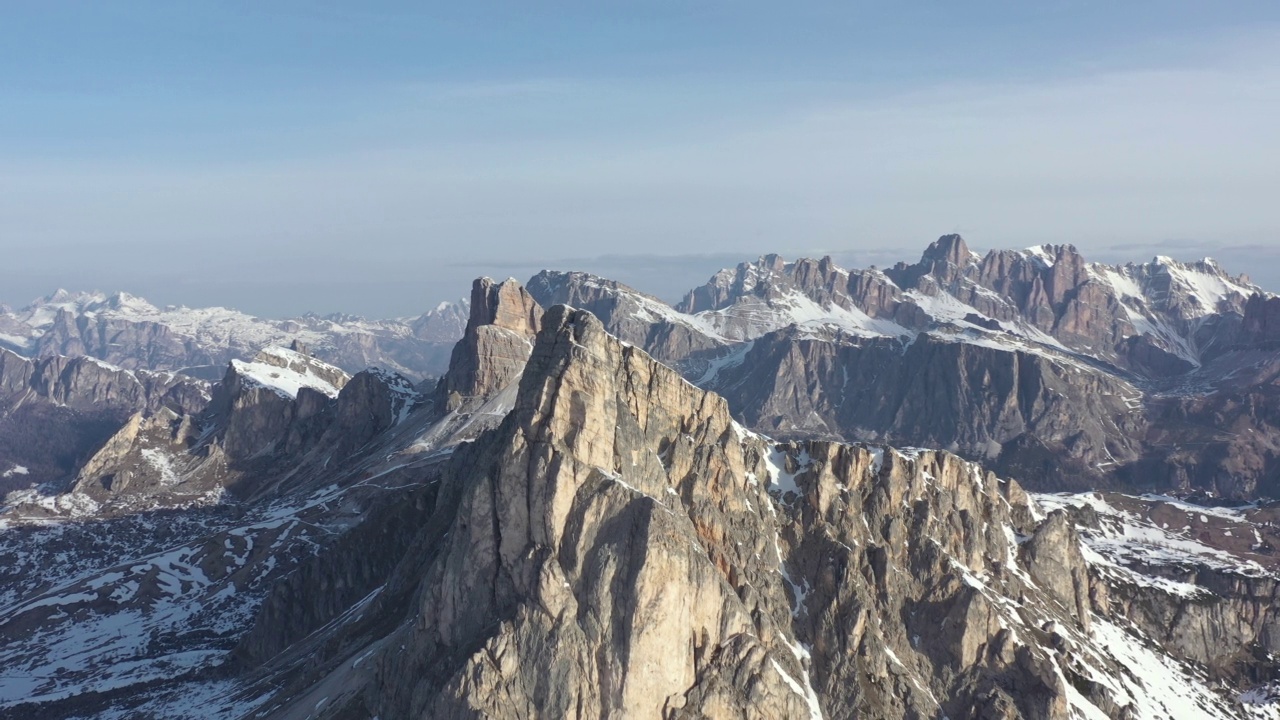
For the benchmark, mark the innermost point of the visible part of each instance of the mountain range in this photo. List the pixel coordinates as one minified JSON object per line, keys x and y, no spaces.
{"x":1011,"y":485}
{"x":132,"y":333}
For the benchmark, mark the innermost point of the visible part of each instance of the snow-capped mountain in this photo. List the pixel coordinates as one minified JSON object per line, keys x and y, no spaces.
{"x":1157,"y":318}
{"x":1037,"y":362}
{"x":130,"y":332}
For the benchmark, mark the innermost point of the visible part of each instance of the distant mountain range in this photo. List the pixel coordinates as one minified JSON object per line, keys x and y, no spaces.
{"x":132,"y":333}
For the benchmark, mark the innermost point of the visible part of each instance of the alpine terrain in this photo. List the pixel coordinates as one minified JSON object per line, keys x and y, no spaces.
{"x":1011,"y":485}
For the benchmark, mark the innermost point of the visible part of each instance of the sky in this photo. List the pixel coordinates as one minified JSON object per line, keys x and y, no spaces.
{"x":375,"y":157}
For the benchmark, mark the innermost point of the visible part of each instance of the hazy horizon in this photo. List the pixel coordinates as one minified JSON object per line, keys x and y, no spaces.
{"x":312,"y":157}
{"x":666,"y":277}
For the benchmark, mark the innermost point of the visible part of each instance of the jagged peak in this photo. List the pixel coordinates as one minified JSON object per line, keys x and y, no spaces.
{"x":449,"y":306}
{"x":506,"y":304}
{"x":950,"y":248}
{"x":496,"y":343}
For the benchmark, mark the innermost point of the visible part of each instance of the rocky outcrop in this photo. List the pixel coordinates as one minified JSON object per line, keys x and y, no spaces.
{"x":619,"y":546}
{"x":1185,"y":313}
{"x":1261,"y":322}
{"x":1075,"y":374}
{"x":265,"y":426}
{"x":562,"y":515}
{"x":1054,"y":561}
{"x":369,"y":404}
{"x":1202,"y":586}
{"x":86,"y":383}
{"x":912,"y":592}
{"x":495,"y":346}
{"x":259,"y":403}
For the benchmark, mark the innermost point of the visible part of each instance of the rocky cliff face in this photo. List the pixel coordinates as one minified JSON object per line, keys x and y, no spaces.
{"x":1158,"y":350}
{"x":285,"y":416}
{"x":1261,"y":322}
{"x":1159,"y":319}
{"x":281,"y":415}
{"x":1141,"y":362}
{"x":557,"y":530}
{"x":568,"y":527}
{"x":137,"y":586}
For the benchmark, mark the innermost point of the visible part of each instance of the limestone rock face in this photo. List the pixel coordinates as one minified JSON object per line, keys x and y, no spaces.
{"x":1054,"y":561}
{"x":1064,"y":373}
{"x":269,"y":413}
{"x":1160,"y":319}
{"x":496,"y":344}
{"x":896,"y":564}
{"x":370,"y":403}
{"x":596,"y":526}
{"x":1261,"y":322}
{"x":84,"y":383}
{"x":618,"y":546}
{"x":257,"y":403}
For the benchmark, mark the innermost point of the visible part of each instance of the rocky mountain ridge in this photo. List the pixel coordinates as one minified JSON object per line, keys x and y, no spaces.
{"x":1062,"y":372}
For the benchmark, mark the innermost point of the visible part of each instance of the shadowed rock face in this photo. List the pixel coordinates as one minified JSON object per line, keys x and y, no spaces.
{"x":1261,"y":323}
{"x":56,"y":412}
{"x":1011,"y":409}
{"x":267,"y":418}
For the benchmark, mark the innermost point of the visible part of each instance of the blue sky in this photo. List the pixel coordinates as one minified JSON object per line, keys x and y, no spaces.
{"x":374,"y":157}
